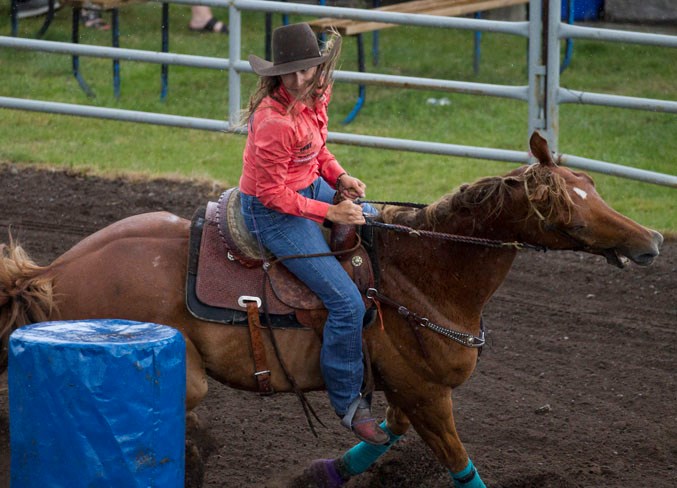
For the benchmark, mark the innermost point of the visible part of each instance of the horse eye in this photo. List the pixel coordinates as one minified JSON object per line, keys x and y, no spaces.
{"x":576,"y":227}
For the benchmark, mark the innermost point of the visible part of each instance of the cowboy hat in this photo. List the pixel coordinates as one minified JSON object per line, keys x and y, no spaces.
{"x":295,"y":48}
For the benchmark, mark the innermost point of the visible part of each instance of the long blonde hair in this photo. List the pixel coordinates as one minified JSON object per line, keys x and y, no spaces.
{"x":267,"y":85}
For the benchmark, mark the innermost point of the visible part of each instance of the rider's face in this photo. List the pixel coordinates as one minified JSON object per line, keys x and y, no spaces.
{"x":298,"y":82}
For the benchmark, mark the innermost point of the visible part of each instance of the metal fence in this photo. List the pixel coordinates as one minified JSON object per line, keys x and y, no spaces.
{"x":543,"y":93}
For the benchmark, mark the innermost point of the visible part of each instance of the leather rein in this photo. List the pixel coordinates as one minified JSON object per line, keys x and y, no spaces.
{"x":443,"y":235}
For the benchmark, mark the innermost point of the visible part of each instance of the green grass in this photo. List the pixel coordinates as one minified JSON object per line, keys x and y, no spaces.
{"x":640,"y":139}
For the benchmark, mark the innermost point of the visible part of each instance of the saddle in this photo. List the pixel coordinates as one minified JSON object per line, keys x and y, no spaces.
{"x":231,"y":279}
{"x":226,"y":271}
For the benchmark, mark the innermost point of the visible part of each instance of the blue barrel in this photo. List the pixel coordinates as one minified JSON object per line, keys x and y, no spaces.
{"x":97,"y":403}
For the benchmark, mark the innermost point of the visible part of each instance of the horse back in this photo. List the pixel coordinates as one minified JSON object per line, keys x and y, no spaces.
{"x":128,"y":270}
{"x":147,"y":226}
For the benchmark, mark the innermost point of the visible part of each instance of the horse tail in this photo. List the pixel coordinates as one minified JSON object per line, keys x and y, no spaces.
{"x":26,"y":294}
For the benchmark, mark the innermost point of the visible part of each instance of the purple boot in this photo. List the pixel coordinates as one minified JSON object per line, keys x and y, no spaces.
{"x":325,"y":473}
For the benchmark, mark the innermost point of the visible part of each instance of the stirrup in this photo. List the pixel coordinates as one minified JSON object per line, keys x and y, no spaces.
{"x":374,"y":434}
{"x":347,"y":419}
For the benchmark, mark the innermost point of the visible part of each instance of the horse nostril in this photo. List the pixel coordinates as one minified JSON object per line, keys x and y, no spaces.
{"x":646,"y":258}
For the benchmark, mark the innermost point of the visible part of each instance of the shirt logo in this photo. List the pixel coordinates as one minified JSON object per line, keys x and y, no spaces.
{"x":305,"y":159}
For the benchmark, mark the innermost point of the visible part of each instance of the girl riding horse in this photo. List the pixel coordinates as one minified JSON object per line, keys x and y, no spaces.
{"x":288,"y":185}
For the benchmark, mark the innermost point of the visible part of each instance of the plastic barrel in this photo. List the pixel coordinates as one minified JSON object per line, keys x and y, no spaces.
{"x":97,"y":403}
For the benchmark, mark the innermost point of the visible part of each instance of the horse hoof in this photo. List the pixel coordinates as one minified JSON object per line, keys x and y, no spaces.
{"x":323,"y":473}
{"x":199,"y":447}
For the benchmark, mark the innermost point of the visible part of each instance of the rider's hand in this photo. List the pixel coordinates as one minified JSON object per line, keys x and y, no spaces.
{"x":345,"y":212}
{"x":350,"y":187}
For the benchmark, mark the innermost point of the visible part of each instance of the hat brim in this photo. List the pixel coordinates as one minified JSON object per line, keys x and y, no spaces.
{"x":266,"y":68}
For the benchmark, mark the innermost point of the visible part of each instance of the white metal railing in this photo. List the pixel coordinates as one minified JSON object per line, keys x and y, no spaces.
{"x":542,"y":93}
{"x":555,"y":94}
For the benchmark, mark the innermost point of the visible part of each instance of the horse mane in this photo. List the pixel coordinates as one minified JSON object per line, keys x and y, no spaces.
{"x":488,"y":194}
{"x":25,"y":294}
{"x":547,"y":194}
{"x":545,"y":190}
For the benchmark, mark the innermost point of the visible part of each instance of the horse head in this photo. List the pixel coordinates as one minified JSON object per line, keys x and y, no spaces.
{"x":542,"y":204}
{"x":572,"y":215}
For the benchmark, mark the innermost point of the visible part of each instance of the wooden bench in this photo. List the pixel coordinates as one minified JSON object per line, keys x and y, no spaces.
{"x":444,"y":8}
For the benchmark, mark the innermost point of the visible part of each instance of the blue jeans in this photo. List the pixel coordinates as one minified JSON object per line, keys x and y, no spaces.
{"x":283,"y":235}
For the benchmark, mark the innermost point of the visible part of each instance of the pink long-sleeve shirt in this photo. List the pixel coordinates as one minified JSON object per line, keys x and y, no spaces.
{"x":286,"y":152}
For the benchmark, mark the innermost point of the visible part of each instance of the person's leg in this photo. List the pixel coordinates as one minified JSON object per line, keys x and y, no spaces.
{"x":203,"y":20}
{"x":341,"y":355}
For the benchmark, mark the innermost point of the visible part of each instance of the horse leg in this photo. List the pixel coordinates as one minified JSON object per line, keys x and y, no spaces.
{"x":196,"y":377}
{"x":198,"y":445}
{"x":334,"y":473}
{"x":433,"y":419}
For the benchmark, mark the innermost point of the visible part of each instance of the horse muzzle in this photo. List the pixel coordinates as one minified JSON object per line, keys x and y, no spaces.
{"x":640,"y":255}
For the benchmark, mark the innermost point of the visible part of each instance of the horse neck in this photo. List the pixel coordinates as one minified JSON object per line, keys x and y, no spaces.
{"x":457,"y":279}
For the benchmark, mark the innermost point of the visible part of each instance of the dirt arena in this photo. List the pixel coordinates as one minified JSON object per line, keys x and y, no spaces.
{"x":576,"y":388}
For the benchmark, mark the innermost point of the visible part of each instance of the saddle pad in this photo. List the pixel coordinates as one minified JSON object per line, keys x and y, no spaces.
{"x":217,"y":314}
{"x":222,"y":281}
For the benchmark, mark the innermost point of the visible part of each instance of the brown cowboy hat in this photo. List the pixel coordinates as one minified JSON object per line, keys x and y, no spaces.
{"x":295,"y":48}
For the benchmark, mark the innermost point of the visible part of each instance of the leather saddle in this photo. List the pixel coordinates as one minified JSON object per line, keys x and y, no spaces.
{"x":226,"y":271}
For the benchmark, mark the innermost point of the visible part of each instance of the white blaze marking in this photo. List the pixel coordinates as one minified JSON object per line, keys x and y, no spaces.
{"x":581,"y":193}
{"x":156,"y":261}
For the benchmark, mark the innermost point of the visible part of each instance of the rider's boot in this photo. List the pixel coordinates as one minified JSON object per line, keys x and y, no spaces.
{"x":360,"y":420}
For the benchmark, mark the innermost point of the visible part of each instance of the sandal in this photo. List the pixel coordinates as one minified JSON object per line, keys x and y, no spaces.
{"x":92,"y":19}
{"x":210,"y":27}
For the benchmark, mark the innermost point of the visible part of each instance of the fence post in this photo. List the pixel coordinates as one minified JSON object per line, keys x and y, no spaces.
{"x":536,"y":90}
{"x":553,"y":19}
{"x":235,"y":48}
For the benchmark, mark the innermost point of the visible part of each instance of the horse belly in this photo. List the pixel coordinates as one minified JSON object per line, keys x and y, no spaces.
{"x":227,"y":356}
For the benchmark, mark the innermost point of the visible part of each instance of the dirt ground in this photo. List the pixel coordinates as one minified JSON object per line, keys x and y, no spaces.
{"x":576,"y":388}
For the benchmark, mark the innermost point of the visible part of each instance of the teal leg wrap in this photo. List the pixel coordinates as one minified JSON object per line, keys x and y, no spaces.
{"x":468,"y":478}
{"x":359,"y":457}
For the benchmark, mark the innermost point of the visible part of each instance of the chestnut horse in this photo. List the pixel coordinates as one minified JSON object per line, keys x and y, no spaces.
{"x":136,"y":268}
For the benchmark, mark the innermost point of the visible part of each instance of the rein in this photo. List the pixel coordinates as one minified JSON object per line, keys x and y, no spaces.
{"x":443,"y":235}
{"x":268,"y":264}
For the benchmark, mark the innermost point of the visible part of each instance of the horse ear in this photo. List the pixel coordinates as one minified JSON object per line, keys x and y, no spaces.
{"x":540,"y":150}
